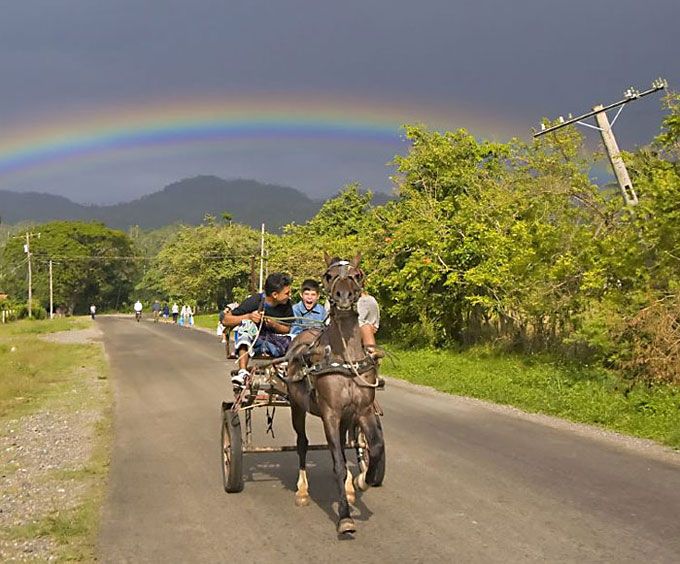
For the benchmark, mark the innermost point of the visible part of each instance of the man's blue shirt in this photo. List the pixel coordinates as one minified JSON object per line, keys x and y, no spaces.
{"x":317,"y":313}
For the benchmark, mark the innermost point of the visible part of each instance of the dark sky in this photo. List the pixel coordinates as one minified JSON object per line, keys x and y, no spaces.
{"x":492,"y":66}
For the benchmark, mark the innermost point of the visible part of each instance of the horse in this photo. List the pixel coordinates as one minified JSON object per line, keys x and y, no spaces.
{"x":331,"y":376}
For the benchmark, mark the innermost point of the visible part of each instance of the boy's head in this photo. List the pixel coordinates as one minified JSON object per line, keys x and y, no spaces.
{"x":309,"y":292}
{"x":277,"y":287}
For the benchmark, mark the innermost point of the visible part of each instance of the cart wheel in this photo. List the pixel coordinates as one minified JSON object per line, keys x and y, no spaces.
{"x":362,"y":453}
{"x":232,"y":452}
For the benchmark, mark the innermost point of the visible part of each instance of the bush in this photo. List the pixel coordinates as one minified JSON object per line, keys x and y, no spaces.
{"x":37,"y":311}
{"x":654,"y":337}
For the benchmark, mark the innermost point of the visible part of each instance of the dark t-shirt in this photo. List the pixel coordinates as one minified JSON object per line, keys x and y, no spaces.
{"x":252,"y":303}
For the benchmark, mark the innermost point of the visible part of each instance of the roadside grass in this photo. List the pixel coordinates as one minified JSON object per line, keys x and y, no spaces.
{"x":33,"y":370}
{"x":28,"y":327}
{"x":64,"y":378}
{"x":540,"y":384}
{"x":207,"y":320}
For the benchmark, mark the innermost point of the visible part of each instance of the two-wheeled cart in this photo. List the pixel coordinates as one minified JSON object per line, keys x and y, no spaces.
{"x":264,"y":388}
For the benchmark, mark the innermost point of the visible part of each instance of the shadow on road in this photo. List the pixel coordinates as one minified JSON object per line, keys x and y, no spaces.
{"x":269,"y":467}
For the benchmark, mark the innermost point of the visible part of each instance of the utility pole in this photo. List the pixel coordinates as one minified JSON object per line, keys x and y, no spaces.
{"x":30,"y":280}
{"x":261,"y":258}
{"x":51,"y":296}
{"x":252,"y":288}
{"x":605,"y":128}
{"x":27,"y":251}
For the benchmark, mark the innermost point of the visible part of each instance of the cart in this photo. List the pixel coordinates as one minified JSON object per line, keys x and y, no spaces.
{"x":264,"y":388}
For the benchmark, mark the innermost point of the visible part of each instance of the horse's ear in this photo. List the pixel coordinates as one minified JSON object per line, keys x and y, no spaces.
{"x":356,"y":260}
{"x":327,"y":258}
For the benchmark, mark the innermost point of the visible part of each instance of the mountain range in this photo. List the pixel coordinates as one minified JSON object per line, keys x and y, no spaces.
{"x":187,"y":201}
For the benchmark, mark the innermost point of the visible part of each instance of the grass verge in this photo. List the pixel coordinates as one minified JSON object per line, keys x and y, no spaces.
{"x":34,"y":370}
{"x":539,"y":384}
{"x":207,"y":320}
{"x":57,"y":380}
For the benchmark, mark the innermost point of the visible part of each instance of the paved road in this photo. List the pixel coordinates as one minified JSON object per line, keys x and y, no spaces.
{"x":465,"y":482}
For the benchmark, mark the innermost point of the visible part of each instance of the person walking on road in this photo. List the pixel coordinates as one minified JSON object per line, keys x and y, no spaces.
{"x":93,"y":310}
{"x":156,"y":310}
{"x":175,"y":312}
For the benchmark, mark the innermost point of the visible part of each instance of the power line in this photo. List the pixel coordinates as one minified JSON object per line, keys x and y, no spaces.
{"x":605,"y":128}
{"x":130,"y":258}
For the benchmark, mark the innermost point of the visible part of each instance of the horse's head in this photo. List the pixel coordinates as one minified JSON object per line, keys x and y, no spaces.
{"x":343,"y":282}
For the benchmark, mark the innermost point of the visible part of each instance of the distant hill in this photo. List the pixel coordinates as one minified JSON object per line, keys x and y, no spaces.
{"x":186,"y":201}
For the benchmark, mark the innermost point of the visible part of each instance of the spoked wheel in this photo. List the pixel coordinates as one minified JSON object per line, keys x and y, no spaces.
{"x":361,"y":446}
{"x":232,"y":451}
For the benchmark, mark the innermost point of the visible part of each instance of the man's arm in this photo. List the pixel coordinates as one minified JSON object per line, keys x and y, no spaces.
{"x":247,"y":310}
{"x":231,"y":320}
{"x":278,"y":327}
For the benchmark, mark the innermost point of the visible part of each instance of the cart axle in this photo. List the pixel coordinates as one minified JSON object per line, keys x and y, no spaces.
{"x":287,"y":448}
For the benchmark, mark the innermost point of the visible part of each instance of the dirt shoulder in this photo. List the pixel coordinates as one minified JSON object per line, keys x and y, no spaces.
{"x":54,"y":451}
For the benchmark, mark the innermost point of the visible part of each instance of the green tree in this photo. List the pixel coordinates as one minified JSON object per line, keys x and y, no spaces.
{"x":209,"y":264}
{"x":341,"y":227}
{"x":91,"y":264}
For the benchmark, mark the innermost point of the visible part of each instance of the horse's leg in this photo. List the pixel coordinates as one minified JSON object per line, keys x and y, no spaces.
{"x":302,"y":493}
{"x":331,"y":426}
{"x":349,"y":486}
{"x":376,"y":446}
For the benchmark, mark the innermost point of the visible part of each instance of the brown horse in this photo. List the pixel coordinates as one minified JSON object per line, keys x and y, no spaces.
{"x":330,"y":375}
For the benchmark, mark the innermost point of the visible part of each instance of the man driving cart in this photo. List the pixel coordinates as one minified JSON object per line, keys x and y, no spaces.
{"x":257,"y":330}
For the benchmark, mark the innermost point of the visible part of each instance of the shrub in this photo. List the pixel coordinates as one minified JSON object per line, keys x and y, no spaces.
{"x":37,"y":311}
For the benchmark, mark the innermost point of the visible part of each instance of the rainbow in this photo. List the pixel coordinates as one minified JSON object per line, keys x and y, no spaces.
{"x":96,"y":132}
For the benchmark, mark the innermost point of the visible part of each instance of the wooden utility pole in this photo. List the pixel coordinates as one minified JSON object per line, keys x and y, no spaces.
{"x":605,"y":127}
{"x":27,"y":248}
{"x":51,"y":296}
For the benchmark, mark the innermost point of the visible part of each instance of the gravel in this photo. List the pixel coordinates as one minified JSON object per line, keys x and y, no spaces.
{"x":36,"y":450}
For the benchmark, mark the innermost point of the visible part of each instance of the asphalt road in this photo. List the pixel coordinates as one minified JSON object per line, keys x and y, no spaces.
{"x":465,"y":482}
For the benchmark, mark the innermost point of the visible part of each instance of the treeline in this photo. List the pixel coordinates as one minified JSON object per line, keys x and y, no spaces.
{"x":91,"y":263}
{"x":510,"y":244}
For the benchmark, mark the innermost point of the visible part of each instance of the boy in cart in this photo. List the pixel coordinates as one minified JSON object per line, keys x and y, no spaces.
{"x":308,"y":312}
{"x":257,"y":330}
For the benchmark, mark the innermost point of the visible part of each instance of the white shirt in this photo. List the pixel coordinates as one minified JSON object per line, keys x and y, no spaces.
{"x":138,"y":306}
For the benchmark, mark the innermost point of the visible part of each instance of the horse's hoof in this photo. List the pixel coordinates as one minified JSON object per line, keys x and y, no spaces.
{"x":345,"y":526}
{"x":301,"y":500}
{"x":360,"y":482}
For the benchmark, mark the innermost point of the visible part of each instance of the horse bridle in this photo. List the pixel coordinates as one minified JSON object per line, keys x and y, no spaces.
{"x":347,"y":271}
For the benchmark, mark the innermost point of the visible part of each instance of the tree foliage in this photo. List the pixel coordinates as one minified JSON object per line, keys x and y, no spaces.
{"x":91,"y":264}
{"x":208,"y":265}
{"x":502,"y":242}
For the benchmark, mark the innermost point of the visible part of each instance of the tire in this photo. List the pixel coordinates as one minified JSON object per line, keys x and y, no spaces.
{"x":232,"y":452}
{"x":362,"y":453}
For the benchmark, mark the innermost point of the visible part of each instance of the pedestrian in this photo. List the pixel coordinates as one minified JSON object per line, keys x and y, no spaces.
{"x":166,"y":311}
{"x":190,"y":316}
{"x":175,"y":312}
{"x":183,"y":316}
{"x":156,"y":310}
{"x":93,"y":310}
